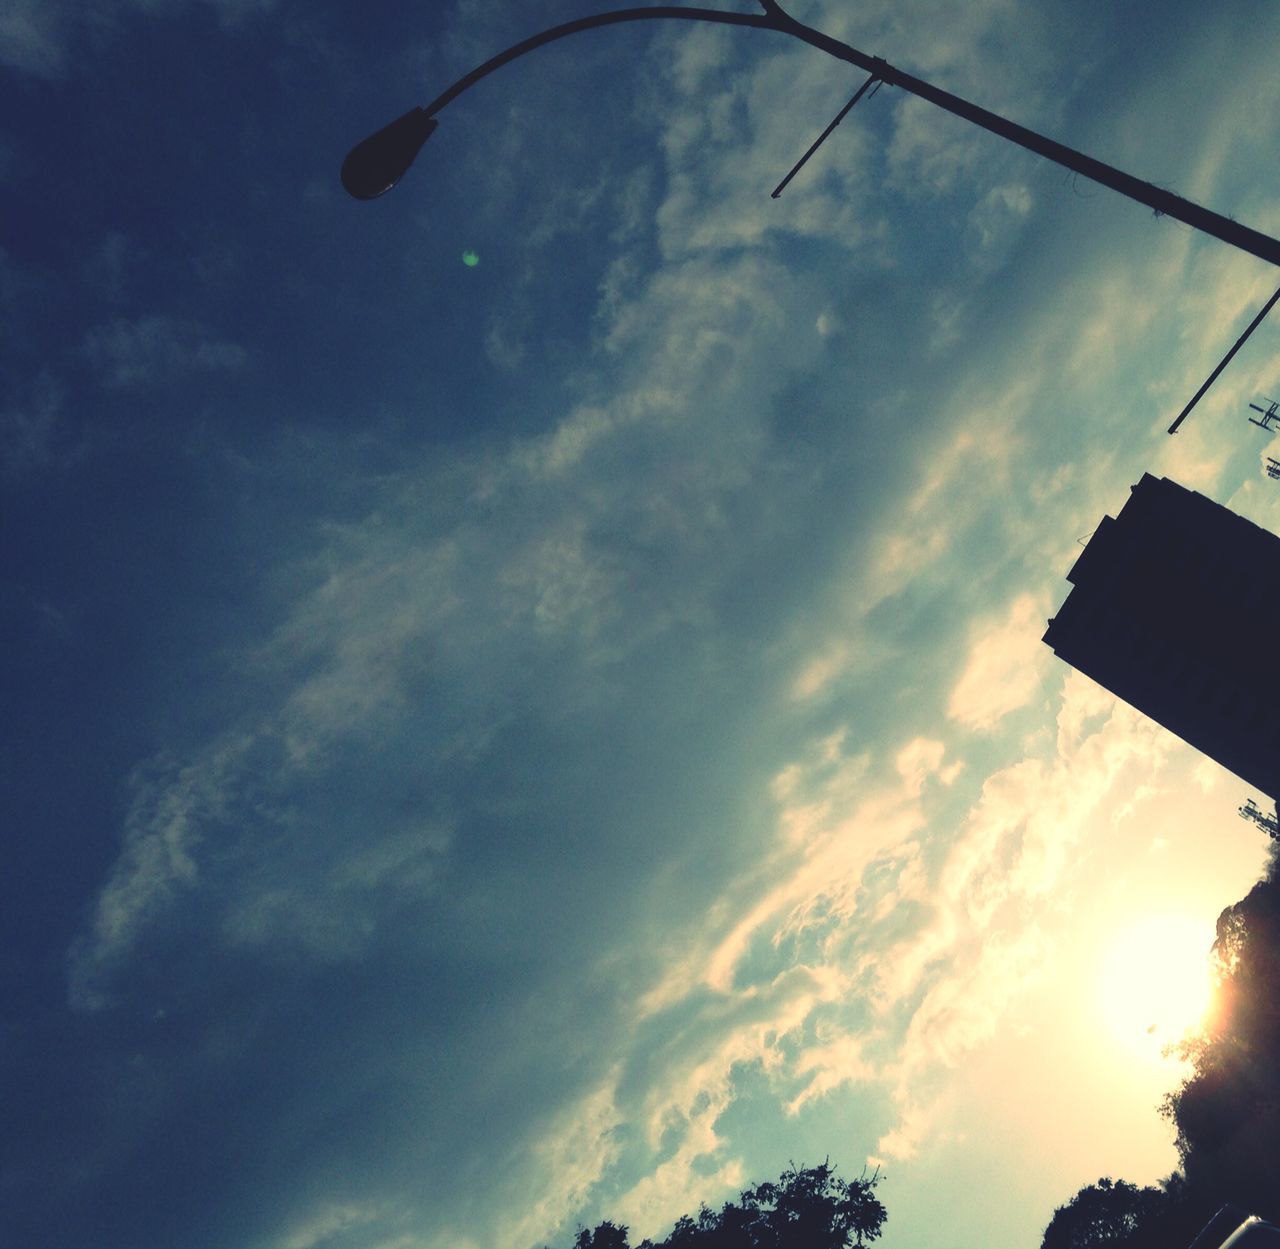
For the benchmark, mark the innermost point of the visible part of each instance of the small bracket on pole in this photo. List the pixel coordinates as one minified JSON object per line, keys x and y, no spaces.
{"x":818,"y":142}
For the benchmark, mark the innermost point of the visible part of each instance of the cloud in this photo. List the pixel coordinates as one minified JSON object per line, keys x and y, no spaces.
{"x":723,"y":157}
{"x":113,"y":267}
{"x":931,"y":151}
{"x":419,"y":739}
{"x":941,"y":984}
{"x":37,"y":37}
{"x":171,"y":807}
{"x":920,"y":759}
{"x":596,"y":540}
{"x":963,"y":1010}
{"x":996,"y":221}
{"x":31,"y":429}
{"x":833,"y":1064}
{"x":1001,"y":674}
{"x":902,"y":1142}
{"x":32,"y":36}
{"x":676,"y":1184}
{"x":157,"y":349}
{"x":323,"y":1227}
{"x":571,"y":1156}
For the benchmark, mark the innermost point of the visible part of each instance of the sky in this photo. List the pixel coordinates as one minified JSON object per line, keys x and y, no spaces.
{"x":489,"y":747}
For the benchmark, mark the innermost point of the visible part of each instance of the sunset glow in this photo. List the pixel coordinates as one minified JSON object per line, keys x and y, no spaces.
{"x":1154,"y":985}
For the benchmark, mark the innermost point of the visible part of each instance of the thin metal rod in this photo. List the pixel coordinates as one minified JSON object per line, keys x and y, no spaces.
{"x":1213,"y":377}
{"x":818,"y":142}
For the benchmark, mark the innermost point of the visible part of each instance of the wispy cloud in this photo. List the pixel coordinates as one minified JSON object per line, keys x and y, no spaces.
{"x":172,"y":807}
{"x":39,"y":37}
{"x":156,"y":349}
{"x":32,"y":36}
{"x":30,"y":428}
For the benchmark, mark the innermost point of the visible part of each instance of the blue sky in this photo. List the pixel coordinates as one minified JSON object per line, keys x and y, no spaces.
{"x":488,"y":748}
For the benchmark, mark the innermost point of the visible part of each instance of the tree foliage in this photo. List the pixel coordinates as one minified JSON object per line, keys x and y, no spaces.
{"x":810,"y":1208}
{"x":1115,"y":1214}
{"x":1227,"y":1113}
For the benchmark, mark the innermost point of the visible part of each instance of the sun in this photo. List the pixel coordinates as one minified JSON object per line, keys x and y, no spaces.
{"x":1154,"y":986}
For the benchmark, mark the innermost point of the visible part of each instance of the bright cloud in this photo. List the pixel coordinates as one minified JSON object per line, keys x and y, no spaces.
{"x":1002,"y":673}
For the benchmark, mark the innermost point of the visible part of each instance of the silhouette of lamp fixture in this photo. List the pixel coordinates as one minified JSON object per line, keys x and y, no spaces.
{"x":377,"y":163}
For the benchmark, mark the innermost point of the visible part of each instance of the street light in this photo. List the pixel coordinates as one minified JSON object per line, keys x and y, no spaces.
{"x":375,"y":165}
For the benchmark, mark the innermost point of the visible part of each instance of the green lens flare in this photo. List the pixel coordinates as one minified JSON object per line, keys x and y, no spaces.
{"x":470,"y":258}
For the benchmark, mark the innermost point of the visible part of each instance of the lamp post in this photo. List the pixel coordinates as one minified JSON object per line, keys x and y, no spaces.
{"x":377,"y":163}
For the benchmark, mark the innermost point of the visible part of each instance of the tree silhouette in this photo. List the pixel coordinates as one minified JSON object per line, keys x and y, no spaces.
{"x":1103,"y":1213}
{"x":1227,"y":1113}
{"x":1115,"y":1214}
{"x":606,"y":1236}
{"x":808,"y":1208}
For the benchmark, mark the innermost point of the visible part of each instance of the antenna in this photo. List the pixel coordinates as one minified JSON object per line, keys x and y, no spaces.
{"x":1269,"y":414}
{"x":1268,"y":824}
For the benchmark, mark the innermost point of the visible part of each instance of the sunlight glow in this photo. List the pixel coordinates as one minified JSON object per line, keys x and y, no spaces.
{"x":1154,"y":984}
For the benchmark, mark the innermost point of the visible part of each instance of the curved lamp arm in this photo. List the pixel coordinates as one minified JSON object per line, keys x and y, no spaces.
{"x":759,"y":21}
{"x":375,"y":165}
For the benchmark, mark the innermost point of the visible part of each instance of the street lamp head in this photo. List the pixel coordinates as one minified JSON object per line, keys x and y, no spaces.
{"x":377,"y":163}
